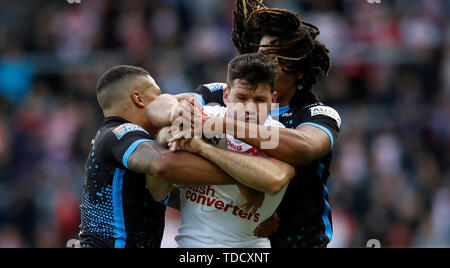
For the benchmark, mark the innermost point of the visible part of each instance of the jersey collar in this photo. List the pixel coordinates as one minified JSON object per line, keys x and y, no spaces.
{"x":279,"y":111}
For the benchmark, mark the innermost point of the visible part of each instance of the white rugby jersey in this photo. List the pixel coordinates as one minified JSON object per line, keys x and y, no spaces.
{"x":210,"y":216}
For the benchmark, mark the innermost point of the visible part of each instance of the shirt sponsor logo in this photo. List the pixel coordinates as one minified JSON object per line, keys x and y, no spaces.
{"x":326,"y":111}
{"x":122,"y":130}
{"x":206,"y":196}
{"x":216,"y":86}
{"x":234,"y":146}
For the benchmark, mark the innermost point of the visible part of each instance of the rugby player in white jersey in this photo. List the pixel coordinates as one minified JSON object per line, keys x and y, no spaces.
{"x":215,"y":216}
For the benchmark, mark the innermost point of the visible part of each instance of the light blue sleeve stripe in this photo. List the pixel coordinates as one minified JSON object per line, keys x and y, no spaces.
{"x":119,"y":221}
{"x":131,"y":150}
{"x":326,"y":130}
{"x":326,"y":220}
{"x":165,"y":202}
{"x":199,"y":97}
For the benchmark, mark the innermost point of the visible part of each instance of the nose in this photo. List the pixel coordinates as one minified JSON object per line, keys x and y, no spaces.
{"x":251,"y":111}
{"x":250,"y":108}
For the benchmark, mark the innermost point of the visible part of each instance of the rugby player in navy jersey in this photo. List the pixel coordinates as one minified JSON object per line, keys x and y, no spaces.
{"x":311,"y":126}
{"x":127,"y":172}
{"x":209,"y":215}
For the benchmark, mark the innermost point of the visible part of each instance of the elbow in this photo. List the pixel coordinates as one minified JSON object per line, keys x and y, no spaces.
{"x":304,"y":155}
{"x":277,"y":184}
{"x":280,"y":181}
{"x":158,"y":196}
{"x":159,"y":193}
{"x":274,"y":189}
{"x":161,"y":165}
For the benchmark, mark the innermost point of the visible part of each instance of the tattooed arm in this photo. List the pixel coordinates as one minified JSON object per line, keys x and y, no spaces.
{"x":181,"y":168}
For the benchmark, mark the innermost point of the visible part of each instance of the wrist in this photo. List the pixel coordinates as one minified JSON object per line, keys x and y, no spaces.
{"x":204,"y":148}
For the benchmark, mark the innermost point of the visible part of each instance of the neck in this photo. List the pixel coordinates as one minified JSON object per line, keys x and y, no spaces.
{"x":130,"y":117}
{"x":286,"y":99}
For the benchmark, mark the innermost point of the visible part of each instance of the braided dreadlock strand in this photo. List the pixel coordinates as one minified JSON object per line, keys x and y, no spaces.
{"x":243,"y":34}
{"x":295,"y":39}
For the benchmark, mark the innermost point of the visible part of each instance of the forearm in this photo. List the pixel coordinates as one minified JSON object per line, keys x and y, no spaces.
{"x":181,"y":168}
{"x":184,"y":168}
{"x":262,"y":174}
{"x":174,"y":199}
{"x":291,"y":146}
{"x":158,"y":187}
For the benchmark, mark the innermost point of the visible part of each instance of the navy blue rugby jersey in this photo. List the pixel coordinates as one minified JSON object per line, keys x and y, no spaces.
{"x":117,"y":210}
{"x":305,"y":215}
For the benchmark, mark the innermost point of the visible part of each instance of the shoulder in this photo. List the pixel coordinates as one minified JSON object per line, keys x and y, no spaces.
{"x":122,"y":130}
{"x":212,"y":87}
{"x":212,"y":93}
{"x":323,"y":111}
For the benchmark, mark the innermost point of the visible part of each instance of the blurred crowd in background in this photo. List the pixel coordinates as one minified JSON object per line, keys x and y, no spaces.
{"x":390,"y":82}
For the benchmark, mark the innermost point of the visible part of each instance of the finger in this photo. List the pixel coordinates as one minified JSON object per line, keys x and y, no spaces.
{"x":243,"y":204}
{"x":194,"y":101}
{"x":177,"y":136}
{"x":173,"y":147}
{"x":187,"y":104}
{"x":258,"y":207}
{"x":249,"y":207}
{"x":185,"y":142}
{"x":261,"y":234}
{"x":182,"y":124}
{"x":187,"y":107}
{"x":176,"y":125}
{"x":246,"y":206}
{"x":190,"y":99}
{"x":184,"y":133}
{"x":177,"y":145}
{"x":173,"y":128}
{"x":190,"y":115}
{"x":255,"y":209}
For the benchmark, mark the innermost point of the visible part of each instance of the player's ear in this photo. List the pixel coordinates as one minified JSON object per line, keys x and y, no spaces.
{"x":226,"y":95}
{"x":274,"y":99}
{"x":138,"y":99}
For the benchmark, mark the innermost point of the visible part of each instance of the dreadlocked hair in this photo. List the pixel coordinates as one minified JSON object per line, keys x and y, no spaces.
{"x":295,"y":39}
{"x":243,"y":34}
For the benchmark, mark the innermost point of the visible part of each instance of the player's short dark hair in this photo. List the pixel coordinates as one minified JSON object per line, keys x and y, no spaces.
{"x":255,"y":69}
{"x":119,"y":73}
